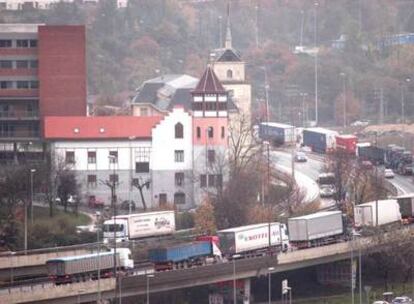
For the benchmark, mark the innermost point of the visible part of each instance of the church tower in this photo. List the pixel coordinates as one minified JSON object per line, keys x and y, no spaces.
{"x":231,"y":71}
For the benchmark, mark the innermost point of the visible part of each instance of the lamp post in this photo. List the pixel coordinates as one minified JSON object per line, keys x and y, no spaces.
{"x":234,"y":257}
{"x":316,"y":4}
{"x":304,"y":116}
{"x":149,"y":276}
{"x":269,"y":275}
{"x":98,"y":214}
{"x":354,"y":235}
{"x":267,"y":144}
{"x":32,"y":172}
{"x":343,"y":75}
{"x":131,"y":166}
{"x":407,"y":81}
{"x":113,"y":158}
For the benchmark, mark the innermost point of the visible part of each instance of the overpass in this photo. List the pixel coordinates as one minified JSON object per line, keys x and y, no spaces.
{"x":203,"y":275}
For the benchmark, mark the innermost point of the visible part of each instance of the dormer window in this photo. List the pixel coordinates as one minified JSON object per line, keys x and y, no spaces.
{"x":179,"y":130}
{"x":229,"y":74}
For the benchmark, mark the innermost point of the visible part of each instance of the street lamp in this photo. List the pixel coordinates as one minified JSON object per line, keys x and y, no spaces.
{"x":407,"y":81}
{"x":131,"y":166}
{"x":355,"y":234}
{"x":234,"y":257}
{"x":32,"y":172}
{"x":98,"y":214}
{"x":343,"y":75}
{"x":269,"y":275}
{"x":149,"y":276}
{"x":316,"y":4}
{"x":304,"y":116}
{"x":267,"y":144}
{"x":113,"y":159}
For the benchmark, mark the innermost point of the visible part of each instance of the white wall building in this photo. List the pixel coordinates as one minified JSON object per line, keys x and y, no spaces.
{"x":47,"y":4}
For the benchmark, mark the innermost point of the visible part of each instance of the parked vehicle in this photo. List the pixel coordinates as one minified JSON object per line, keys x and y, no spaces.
{"x":184,"y":255}
{"x":388,"y":213}
{"x":94,"y":202}
{"x":346,"y":143}
{"x":406,"y":204}
{"x":316,"y":228}
{"x":139,"y":225}
{"x":71,"y":269}
{"x":327,"y":190}
{"x":326,"y":179}
{"x":276,"y":133}
{"x":300,"y":157}
{"x":320,"y":140}
{"x":388,"y":173}
{"x":402,"y":300}
{"x":244,"y":239}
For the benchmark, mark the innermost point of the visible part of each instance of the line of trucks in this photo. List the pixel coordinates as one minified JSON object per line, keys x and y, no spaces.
{"x":316,"y":229}
{"x":321,"y":140}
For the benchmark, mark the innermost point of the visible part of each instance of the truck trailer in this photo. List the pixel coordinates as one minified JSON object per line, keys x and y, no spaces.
{"x":240,"y":240}
{"x":276,"y":133}
{"x":139,"y":225}
{"x":406,"y":204}
{"x":183,"y":255}
{"x":320,"y":140}
{"x":315,"y":229}
{"x":71,"y":269}
{"x":366,"y":215}
{"x":346,"y":144}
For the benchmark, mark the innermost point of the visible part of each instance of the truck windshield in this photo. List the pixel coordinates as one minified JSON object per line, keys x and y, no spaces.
{"x":326,"y":179}
{"x":113,"y":228}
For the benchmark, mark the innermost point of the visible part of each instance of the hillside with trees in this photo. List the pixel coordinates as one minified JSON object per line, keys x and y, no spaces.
{"x":154,"y":37}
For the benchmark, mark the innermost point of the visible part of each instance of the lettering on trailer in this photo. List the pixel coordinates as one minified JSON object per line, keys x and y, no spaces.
{"x":162,"y":222}
{"x":253,"y":237}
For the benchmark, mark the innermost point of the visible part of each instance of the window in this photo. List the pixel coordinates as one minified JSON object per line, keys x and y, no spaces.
{"x":179,"y":156}
{"x":33,"y":43}
{"x":91,"y":157}
{"x":5,"y":43}
{"x":179,"y":198}
{"x":113,"y":157}
{"x":179,"y":130}
{"x":34,"y":84}
{"x":222,"y":106}
{"x":143,"y":111}
{"x":211,"y":180}
{"x":22,"y":84}
{"x":203,"y":181}
{"x":113,"y":178}
{"x":219,"y":181}
{"x":211,"y":156}
{"x":197,"y":106}
{"x":210,"y":132}
{"x":6,"y":84}
{"x":70,"y":157}
{"x":211,"y":106}
{"x":142,"y":167}
{"x":20,"y":43}
{"x":22,"y":64}
{"x":179,"y":178}
{"x":6,"y":64}
{"x":34,"y":64}
{"x":229,"y":74}
{"x":198,"y":132}
{"x":162,"y":199}
{"x":223,"y":132}
{"x":92,"y":181}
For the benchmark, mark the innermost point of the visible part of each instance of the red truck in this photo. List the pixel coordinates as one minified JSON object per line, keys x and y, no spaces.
{"x":346,"y":143}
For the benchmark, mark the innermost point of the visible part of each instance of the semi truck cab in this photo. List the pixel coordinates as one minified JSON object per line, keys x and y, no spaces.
{"x":125,"y":258}
{"x":118,"y":227}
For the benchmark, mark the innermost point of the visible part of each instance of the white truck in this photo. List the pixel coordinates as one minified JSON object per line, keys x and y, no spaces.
{"x":366,"y":215}
{"x":252,"y":237}
{"x":138,"y":225}
{"x":316,"y":228}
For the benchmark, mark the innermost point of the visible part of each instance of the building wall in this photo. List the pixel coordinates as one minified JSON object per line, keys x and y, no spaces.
{"x":164,"y":165}
{"x":242,"y":96}
{"x":129,"y":152}
{"x":145,"y":110}
{"x":237,"y":68}
{"x":62,"y":70}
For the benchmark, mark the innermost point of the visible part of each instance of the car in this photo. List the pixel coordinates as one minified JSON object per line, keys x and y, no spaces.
{"x":388,"y":173}
{"x":327,"y":190}
{"x":300,"y":157}
{"x":125,"y":205}
{"x":380,"y":302}
{"x":94,"y":202}
{"x":360,"y":123}
{"x":402,"y":300}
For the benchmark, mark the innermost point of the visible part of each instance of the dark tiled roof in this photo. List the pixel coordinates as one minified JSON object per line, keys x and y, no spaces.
{"x":229,"y":55}
{"x":148,"y":93}
{"x":181,"y":97}
{"x":209,"y":83}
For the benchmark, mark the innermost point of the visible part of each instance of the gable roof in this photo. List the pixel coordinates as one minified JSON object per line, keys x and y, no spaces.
{"x":229,"y":55}
{"x":99,"y":127}
{"x":209,"y":83}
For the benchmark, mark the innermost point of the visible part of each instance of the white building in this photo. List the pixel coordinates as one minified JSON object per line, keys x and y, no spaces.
{"x":47,"y":4}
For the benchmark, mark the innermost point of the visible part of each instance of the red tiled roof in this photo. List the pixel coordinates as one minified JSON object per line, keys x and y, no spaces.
{"x":209,"y":83}
{"x":99,"y":127}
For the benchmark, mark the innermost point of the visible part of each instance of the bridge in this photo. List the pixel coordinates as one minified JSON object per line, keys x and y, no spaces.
{"x":169,"y":280}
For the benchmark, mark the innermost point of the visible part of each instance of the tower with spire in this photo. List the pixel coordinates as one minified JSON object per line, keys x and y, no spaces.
{"x":231,"y":71}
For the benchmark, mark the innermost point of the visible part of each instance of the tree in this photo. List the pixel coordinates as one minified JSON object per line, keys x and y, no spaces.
{"x":204,"y":220}
{"x":68,"y":188}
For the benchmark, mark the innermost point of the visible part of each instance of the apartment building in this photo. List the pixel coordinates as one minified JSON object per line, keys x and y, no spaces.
{"x":42,"y":73}
{"x":14,"y":5}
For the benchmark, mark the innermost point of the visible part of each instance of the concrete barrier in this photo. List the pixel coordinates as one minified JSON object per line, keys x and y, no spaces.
{"x":41,"y":293}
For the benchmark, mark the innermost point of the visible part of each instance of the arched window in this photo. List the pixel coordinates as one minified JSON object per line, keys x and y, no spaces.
{"x":229,"y":74}
{"x":179,"y":130}
{"x":210,"y":132}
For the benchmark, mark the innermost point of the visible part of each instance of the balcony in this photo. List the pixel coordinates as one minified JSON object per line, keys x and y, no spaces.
{"x":18,"y":115}
{"x":18,"y":72}
{"x":18,"y":51}
{"x":19,"y":92}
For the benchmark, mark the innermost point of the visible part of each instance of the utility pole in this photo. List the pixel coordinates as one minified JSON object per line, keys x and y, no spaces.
{"x":343,"y":75}
{"x":316,"y":4}
{"x":257,"y":25}
{"x":382,"y":110}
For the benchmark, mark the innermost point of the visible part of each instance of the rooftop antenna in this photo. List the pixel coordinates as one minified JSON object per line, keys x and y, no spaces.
{"x":228,"y":41}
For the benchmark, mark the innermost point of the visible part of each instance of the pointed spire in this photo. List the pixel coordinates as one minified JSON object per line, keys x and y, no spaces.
{"x":228,"y":42}
{"x":209,"y":83}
